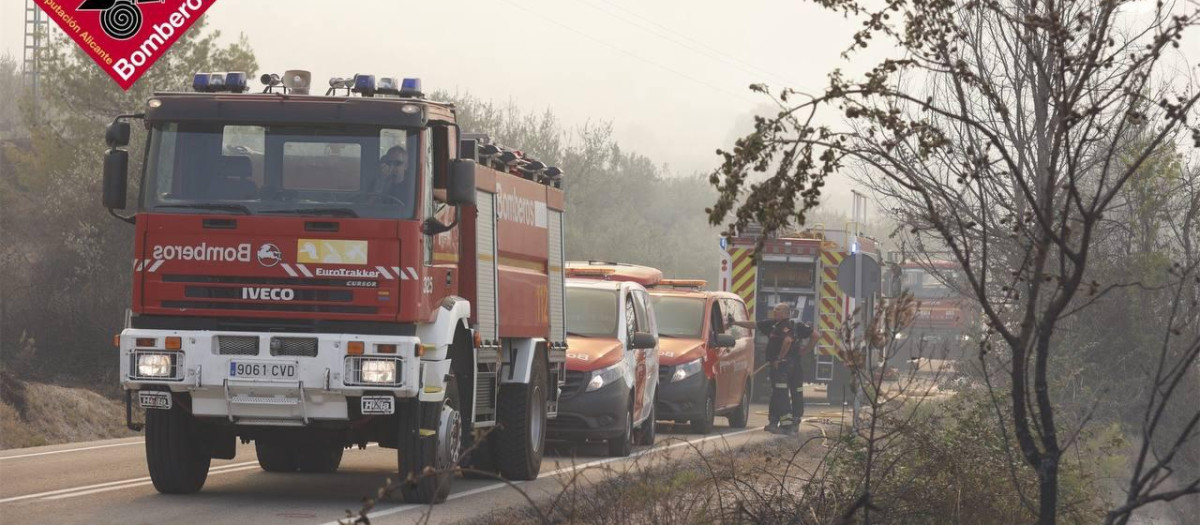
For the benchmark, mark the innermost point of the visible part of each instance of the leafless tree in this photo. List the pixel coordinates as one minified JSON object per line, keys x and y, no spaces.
{"x":1007,"y":131}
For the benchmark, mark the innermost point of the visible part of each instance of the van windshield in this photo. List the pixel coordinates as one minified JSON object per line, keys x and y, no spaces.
{"x":351,"y":171}
{"x":679,"y":316}
{"x":591,"y":312}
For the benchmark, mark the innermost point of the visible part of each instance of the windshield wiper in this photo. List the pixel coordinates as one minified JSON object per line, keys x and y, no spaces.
{"x":337,"y":212}
{"x":204,"y":206}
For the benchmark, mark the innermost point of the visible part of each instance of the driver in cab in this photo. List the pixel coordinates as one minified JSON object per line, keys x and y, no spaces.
{"x":392,"y":186}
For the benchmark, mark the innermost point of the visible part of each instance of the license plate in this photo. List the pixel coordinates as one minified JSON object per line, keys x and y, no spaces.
{"x":154,"y":399}
{"x":262,"y":369}
{"x":372,"y":405}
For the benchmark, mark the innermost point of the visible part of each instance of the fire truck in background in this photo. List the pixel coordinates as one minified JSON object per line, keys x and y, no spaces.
{"x":801,"y":269}
{"x":318,"y":272}
{"x":946,"y":320}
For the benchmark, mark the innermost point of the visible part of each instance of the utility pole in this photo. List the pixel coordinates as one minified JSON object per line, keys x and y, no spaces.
{"x":37,"y":31}
{"x":859,"y":215}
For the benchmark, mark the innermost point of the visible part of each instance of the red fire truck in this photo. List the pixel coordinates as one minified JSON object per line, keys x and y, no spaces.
{"x":946,"y":319}
{"x":318,"y":272}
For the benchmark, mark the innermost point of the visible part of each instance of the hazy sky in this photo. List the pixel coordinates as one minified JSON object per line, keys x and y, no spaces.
{"x":670,"y":75}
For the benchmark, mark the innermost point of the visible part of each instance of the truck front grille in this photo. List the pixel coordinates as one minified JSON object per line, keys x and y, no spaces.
{"x":294,"y":346}
{"x":237,"y":345}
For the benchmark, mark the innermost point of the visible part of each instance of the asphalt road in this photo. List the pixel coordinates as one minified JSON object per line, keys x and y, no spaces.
{"x":107,"y":482}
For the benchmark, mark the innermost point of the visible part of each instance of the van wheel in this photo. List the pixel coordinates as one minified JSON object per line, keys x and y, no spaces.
{"x":622,"y":446}
{"x":275,"y":457}
{"x":439,"y":451}
{"x":319,"y":459}
{"x":178,"y":460}
{"x":704,"y":423}
{"x":521,"y":412}
{"x":741,"y":415}
{"x":647,"y":433}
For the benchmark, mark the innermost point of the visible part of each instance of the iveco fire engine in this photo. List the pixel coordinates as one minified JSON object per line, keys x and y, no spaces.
{"x":318,"y":272}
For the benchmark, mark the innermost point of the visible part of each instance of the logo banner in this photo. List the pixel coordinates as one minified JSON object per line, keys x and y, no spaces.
{"x":125,"y":37}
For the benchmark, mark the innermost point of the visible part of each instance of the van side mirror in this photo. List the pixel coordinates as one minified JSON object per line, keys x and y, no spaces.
{"x":643,"y":340}
{"x":725,"y":341}
{"x":460,"y":189}
{"x":116,"y":176}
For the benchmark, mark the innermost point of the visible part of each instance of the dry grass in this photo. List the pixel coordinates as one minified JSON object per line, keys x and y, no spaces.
{"x":683,"y":489}
{"x":33,"y":414}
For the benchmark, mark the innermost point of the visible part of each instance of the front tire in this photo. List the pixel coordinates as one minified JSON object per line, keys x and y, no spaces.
{"x":177,"y":459}
{"x":418,"y":452}
{"x":622,"y":446}
{"x":741,"y":415}
{"x":275,"y":457}
{"x":704,"y":423}
{"x":521,"y":412}
{"x":647,"y":433}
{"x":319,"y":459}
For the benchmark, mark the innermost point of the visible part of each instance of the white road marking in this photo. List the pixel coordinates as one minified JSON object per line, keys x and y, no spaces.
{"x":71,"y":450}
{"x":121,"y":484}
{"x":403,"y":508}
{"x":147,"y":482}
{"x":114,"y":485}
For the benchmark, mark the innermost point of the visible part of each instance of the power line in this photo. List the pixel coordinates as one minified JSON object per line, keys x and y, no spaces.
{"x":630,"y":53}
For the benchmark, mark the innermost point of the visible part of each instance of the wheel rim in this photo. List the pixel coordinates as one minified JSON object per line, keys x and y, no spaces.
{"x":451,"y":423}
{"x":537,"y":421}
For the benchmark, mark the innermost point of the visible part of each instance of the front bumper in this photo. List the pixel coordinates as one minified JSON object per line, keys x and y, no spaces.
{"x":313,"y":383}
{"x":680,"y":400}
{"x":599,"y":414}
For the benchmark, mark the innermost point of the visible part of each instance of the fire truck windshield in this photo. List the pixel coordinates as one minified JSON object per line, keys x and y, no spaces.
{"x":925,"y":285}
{"x":679,"y":316}
{"x":591,"y":312}
{"x":268,"y":169}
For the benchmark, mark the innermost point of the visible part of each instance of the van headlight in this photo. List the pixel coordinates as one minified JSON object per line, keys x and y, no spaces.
{"x":378,"y":371}
{"x":605,"y":376}
{"x":154,"y":365}
{"x":686,"y":370}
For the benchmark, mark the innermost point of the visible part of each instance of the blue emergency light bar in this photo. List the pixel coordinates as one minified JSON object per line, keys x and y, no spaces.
{"x":411,"y":87}
{"x":364,"y":84}
{"x":369,"y":86}
{"x":231,"y":82}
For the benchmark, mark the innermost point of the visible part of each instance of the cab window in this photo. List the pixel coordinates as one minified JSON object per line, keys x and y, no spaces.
{"x":645,"y":314}
{"x":631,"y":325}
{"x":716,"y":320}
{"x":737,"y":310}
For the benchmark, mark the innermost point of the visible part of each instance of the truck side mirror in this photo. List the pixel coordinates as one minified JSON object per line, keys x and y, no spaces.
{"x":116,"y":175}
{"x":643,"y":340}
{"x":460,"y":189}
{"x":117,"y":134}
{"x":725,"y":341}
